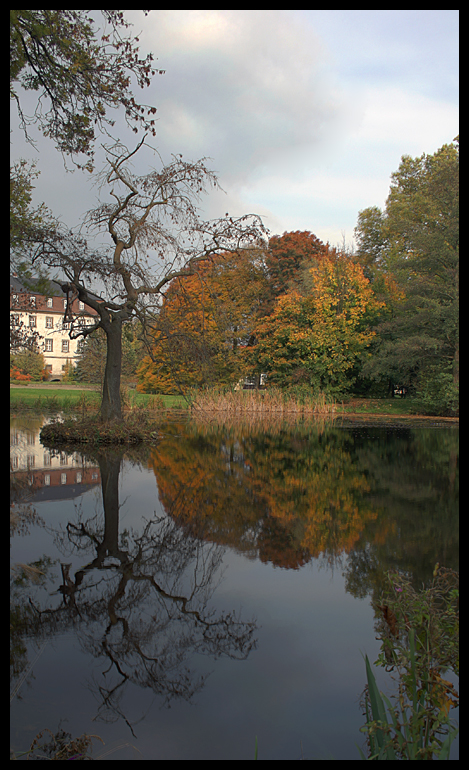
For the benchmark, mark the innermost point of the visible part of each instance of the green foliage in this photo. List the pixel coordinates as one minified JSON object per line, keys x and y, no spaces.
{"x":437,"y":393}
{"x":22,"y":216}
{"x":411,"y":253}
{"x":69,"y":373}
{"x":419,"y":632}
{"x":79,"y":72}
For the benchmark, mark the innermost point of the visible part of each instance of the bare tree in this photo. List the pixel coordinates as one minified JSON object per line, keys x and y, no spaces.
{"x":157,"y":235}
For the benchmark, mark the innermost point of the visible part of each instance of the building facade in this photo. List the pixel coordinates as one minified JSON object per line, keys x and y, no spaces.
{"x":39,"y":474}
{"x":34,"y":312}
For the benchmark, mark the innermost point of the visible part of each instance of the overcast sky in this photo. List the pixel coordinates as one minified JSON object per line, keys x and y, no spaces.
{"x":305,"y":114}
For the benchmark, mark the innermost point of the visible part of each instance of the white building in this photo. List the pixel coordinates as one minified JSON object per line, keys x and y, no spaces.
{"x":39,"y":473}
{"x":44,"y":315}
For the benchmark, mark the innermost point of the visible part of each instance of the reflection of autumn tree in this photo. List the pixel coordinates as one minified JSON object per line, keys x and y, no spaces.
{"x":313,"y":487}
{"x":285,"y":496}
{"x":201,"y":483}
{"x":140,"y":604}
{"x":387,"y":498}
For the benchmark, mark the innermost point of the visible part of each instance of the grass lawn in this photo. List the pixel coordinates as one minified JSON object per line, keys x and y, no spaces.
{"x":379,"y":406}
{"x":61,"y":397}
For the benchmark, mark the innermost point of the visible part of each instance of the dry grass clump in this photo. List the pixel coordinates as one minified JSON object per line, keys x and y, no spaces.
{"x":47,"y":746}
{"x":263,"y":403}
{"x":135,"y":428}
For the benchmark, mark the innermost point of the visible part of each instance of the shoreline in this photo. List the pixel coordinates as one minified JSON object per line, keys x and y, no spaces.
{"x":359,"y":416}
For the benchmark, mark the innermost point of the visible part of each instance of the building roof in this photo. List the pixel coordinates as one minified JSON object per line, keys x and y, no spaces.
{"x":56,"y":294}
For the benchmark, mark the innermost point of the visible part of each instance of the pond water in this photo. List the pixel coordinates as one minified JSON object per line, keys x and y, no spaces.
{"x":183,"y":599}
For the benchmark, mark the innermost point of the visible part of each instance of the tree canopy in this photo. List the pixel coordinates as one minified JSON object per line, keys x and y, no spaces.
{"x":79,"y":72}
{"x":414,"y":244}
{"x":204,"y":323}
{"x":315,"y":339}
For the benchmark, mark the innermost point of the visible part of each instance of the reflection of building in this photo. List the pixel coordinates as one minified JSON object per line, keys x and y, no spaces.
{"x":45,"y":315}
{"x":47,"y":473}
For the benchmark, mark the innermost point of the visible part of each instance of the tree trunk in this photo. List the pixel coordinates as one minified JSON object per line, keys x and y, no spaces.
{"x":109,"y":466}
{"x":111,"y":407}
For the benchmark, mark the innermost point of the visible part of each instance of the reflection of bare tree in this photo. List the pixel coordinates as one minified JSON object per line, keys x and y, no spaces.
{"x":140,"y":604}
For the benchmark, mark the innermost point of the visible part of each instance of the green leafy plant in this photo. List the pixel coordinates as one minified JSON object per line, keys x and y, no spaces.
{"x":419,"y":633}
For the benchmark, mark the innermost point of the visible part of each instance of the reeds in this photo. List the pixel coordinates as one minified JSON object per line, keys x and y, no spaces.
{"x":263,"y":403}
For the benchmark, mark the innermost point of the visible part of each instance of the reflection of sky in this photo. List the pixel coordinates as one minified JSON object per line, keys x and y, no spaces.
{"x":308,"y":670}
{"x":138,"y":483}
{"x":300,"y":685}
{"x":298,"y":691}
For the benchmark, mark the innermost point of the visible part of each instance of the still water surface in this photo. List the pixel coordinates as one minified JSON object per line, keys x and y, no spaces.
{"x":219,"y":585}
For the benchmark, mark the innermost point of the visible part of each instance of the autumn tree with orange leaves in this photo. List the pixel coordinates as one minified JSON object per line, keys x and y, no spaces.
{"x":288,"y":254}
{"x":205,"y":321}
{"x":317,"y":337}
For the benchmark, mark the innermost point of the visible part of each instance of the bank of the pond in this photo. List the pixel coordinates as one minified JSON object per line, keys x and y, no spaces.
{"x":143,"y":412}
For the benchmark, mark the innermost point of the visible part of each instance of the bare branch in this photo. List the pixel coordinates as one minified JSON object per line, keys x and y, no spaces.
{"x":157,"y":235}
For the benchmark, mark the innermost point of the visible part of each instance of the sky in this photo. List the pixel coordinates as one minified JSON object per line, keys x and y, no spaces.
{"x":305,"y":114}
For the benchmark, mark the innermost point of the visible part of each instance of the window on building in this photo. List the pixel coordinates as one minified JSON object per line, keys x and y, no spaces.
{"x":49,"y":302}
{"x":49,"y":322}
{"x":15,"y":320}
{"x":32,"y":301}
{"x":81,"y":305}
{"x":49,"y":346}
{"x":65,"y":346}
{"x":32,"y":321}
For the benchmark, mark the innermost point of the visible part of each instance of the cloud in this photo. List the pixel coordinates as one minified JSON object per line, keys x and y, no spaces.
{"x":305,"y":114}
{"x":393,"y":115}
{"x":240,"y":86}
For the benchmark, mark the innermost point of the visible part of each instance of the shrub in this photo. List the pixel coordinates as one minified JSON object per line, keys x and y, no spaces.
{"x":28,"y":363}
{"x":438,"y":394}
{"x":15,"y":374}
